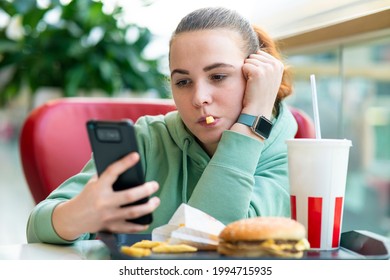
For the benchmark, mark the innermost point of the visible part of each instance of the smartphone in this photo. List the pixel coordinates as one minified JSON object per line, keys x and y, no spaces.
{"x":110,"y":141}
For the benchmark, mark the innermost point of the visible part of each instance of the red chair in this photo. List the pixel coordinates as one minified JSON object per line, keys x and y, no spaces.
{"x":306,"y":127}
{"x":54,"y":142}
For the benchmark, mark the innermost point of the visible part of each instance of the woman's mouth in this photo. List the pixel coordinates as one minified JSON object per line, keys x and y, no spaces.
{"x":208,"y":121}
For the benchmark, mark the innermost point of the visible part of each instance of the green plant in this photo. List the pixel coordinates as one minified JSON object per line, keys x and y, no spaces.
{"x":74,"y":45}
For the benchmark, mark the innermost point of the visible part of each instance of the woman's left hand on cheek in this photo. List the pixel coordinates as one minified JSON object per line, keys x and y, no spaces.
{"x":263,"y":73}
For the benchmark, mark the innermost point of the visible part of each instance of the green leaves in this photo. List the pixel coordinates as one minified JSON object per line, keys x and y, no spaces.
{"x":84,"y":49}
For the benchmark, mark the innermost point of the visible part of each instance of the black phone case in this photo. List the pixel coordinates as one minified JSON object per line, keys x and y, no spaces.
{"x":110,"y":141}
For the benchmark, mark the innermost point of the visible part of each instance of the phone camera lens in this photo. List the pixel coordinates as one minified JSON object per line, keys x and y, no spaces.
{"x":108,"y":135}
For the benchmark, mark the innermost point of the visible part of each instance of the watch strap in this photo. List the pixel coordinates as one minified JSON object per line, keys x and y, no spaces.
{"x":246,"y":119}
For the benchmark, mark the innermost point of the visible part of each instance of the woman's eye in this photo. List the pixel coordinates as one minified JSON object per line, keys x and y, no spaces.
{"x":182,"y":83}
{"x":218,"y":77}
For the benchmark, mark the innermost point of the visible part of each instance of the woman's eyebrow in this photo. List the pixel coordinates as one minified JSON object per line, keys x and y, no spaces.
{"x":205,"y":69}
{"x":180,"y":71}
{"x":217,"y":65}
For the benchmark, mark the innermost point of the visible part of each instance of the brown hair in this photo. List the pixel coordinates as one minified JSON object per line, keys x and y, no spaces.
{"x":253,"y":37}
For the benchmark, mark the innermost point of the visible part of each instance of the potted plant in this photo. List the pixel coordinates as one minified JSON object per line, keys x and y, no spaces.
{"x":73,"y":45}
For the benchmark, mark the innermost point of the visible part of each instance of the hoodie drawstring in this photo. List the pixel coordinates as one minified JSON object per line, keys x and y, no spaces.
{"x":185,"y":171}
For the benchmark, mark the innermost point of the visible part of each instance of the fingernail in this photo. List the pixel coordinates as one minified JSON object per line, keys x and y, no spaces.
{"x":156,"y":201}
{"x":154,"y":185}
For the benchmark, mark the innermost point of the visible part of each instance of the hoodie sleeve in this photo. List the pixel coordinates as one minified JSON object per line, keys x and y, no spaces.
{"x":247,"y":177}
{"x":39,"y":226}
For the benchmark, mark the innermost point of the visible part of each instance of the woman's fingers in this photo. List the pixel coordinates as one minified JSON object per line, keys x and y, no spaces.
{"x":261,"y":59}
{"x":125,"y":227}
{"x":263,"y":73}
{"x":118,"y":221}
{"x":136,"y":211}
{"x":113,"y":171}
{"x":136,"y":193}
{"x":108,"y":202}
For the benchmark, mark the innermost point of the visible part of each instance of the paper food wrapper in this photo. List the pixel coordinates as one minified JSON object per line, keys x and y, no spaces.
{"x":190,"y":226}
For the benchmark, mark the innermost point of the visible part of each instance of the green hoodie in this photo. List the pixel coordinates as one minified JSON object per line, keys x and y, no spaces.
{"x":244,"y":178}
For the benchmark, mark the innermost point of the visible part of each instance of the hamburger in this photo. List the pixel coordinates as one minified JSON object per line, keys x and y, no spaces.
{"x":263,"y":236}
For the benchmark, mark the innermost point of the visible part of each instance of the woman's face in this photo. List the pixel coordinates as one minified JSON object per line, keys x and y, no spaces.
{"x":207,"y":80}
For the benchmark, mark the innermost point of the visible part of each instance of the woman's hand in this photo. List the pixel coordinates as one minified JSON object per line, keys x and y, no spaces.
{"x":263,"y":73}
{"x":98,"y":207}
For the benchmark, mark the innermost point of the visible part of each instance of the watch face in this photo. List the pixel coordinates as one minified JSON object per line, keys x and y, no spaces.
{"x":263,"y":127}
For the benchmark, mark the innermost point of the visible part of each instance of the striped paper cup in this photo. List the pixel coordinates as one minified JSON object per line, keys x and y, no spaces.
{"x":317,"y":174}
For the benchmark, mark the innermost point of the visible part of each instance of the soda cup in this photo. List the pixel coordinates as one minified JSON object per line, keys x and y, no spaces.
{"x":317,"y":175}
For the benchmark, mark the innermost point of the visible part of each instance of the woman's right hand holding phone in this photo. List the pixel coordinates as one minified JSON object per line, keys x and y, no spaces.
{"x":98,"y":206}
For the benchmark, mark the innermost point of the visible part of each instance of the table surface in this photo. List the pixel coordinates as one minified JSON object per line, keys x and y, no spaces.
{"x":107,"y":248}
{"x":81,"y":250}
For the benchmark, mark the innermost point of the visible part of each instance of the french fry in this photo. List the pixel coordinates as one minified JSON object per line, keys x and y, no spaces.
{"x":135,"y":252}
{"x":175,"y":249}
{"x":147,"y":244}
{"x":209,"y":119}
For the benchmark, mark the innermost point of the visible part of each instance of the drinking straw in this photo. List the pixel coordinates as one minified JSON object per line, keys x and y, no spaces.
{"x":315,"y":106}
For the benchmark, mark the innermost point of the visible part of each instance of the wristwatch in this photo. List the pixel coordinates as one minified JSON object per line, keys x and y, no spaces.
{"x":260,"y":125}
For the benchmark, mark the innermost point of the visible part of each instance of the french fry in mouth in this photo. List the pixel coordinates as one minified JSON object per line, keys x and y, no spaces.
{"x":209,"y":119}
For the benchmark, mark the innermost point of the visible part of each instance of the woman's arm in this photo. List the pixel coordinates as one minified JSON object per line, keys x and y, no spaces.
{"x":247,"y":177}
{"x":86,"y":204}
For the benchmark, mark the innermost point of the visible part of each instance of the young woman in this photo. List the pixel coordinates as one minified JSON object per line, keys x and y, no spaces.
{"x":223,"y":151}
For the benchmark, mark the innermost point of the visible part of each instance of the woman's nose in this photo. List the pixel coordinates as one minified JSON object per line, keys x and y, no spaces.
{"x":202,"y":95}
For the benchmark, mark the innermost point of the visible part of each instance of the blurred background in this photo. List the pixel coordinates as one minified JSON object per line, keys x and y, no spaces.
{"x":64,"y":48}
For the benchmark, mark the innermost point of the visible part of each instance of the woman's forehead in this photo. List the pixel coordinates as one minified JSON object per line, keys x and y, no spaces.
{"x":206,"y":43}
{"x":207,"y":33}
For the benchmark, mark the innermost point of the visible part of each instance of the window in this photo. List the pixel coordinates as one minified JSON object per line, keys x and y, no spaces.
{"x":353,"y":87}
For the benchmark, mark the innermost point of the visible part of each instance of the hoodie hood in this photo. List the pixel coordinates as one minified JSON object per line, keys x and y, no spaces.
{"x":191,"y":149}
{"x":185,"y":140}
